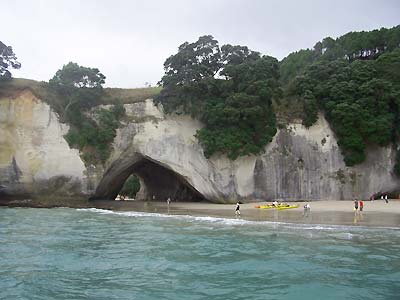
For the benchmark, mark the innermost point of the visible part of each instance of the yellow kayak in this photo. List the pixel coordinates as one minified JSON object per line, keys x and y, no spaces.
{"x":287,"y":207}
{"x":265,"y":206}
{"x":280,"y":206}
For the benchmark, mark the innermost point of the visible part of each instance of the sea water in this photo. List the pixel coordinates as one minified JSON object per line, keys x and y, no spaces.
{"x":69,"y":253}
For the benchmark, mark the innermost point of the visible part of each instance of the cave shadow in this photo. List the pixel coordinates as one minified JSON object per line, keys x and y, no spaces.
{"x":157,"y":182}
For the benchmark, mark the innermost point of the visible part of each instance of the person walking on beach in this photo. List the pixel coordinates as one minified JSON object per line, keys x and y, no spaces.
{"x":168,"y":201}
{"x":237,"y":210}
{"x":306,"y":210}
{"x":361,"y":205}
{"x":355,"y":205}
{"x":386,"y":199}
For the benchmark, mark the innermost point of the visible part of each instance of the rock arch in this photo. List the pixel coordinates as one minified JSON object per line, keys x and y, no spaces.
{"x":156,"y":179}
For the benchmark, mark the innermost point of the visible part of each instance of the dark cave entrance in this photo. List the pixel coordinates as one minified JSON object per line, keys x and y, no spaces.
{"x":157,"y":182}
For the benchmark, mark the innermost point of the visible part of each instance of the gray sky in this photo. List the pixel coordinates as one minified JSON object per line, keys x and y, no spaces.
{"x":130,"y":40}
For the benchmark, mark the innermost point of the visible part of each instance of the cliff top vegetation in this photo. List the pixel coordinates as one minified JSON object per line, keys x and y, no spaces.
{"x":111,"y":95}
{"x":238,"y":93}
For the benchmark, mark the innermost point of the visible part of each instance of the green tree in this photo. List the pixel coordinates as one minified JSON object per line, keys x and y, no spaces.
{"x":78,"y":86}
{"x":74,"y":76}
{"x":7,"y":60}
{"x":359,"y":98}
{"x":295,"y":63}
{"x":187,"y":74}
{"x":230,"y":89}
{"x":310,"y":109}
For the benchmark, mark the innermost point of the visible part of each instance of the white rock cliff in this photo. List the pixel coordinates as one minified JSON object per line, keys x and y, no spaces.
{"x":298,"y":164}
{"x":34,"y":156}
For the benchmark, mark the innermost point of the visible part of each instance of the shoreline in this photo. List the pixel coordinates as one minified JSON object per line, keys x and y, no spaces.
{"x":376,"y":213}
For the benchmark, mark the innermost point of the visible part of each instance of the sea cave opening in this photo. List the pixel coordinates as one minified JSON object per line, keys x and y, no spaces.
{"x":145,"y":179}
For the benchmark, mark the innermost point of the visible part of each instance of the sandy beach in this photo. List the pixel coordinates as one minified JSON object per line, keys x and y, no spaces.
{"x":376,"y":213}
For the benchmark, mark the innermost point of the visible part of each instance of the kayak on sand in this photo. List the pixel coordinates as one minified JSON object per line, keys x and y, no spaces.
{"x":287,"y":207}
{"x":265,"y":206}
{"x":279,"y":206}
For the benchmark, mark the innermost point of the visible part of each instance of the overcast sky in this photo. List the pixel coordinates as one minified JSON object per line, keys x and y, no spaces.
{"x":130,"y":40}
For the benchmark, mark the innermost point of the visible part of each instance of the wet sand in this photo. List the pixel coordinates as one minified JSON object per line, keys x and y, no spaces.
{"x":376,"y":213}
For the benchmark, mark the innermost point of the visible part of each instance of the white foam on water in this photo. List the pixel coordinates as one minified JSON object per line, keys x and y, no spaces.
{"x":239,"y":221}
{"x":344,"y":236}
{"x":206,"y":219}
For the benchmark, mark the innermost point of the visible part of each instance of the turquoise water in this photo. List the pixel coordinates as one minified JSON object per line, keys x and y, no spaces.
{"x":94,"y":254}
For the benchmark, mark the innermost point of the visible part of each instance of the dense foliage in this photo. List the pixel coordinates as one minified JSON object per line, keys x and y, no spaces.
{"x":355,"y":81}
{"x":80,"y":89}
{"x":351,"y":46}
{"x":95,"y":138}
{"x":229,"y":88}
{"x":7,"y":60}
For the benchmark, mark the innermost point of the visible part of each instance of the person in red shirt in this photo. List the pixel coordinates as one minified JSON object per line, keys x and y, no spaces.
{"x":361,"y":205}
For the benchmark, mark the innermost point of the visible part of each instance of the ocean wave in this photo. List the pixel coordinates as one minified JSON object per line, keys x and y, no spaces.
{"x":239,"y":222}
{"x":138,"y":214}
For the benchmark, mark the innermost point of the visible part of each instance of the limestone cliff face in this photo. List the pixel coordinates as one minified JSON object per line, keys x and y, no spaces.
{"x":34,"y":157}
{"x":300,"y":163}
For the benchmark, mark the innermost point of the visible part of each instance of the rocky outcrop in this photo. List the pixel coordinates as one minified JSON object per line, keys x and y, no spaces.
{"x":35,"y":160}
{"x":298,"y":164}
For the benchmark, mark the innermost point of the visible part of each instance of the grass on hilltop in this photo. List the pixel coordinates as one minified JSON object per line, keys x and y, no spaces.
{"x":111,"y":95}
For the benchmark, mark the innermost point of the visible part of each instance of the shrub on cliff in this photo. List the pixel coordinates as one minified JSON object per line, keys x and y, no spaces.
{"x":93,"y":138}
{"x":79,"y":89}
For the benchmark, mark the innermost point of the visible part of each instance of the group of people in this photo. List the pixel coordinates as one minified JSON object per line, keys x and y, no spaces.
{"x":383,"y":197}
{"x":358,"y":205}
{"x":123,"y":197}
{"x":279,"y":204}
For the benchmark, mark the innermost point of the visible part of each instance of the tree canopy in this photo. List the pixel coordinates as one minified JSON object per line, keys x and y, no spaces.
{"x":80,"y":88}
{"x":353,"y":79}
{"x":7,"y":60}
{"x":229,"y":88}
{"x":363,"y":45}
{"x":74,"y":76}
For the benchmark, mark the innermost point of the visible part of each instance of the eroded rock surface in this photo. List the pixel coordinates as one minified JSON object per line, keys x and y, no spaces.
{"x":34,"y":157}
{"x":298,"y":164}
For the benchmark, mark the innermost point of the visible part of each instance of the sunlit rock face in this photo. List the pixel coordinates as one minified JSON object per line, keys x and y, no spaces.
{"x":299,"y":164}
{"x":307,"y":164}
{"x":35,"y":159}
